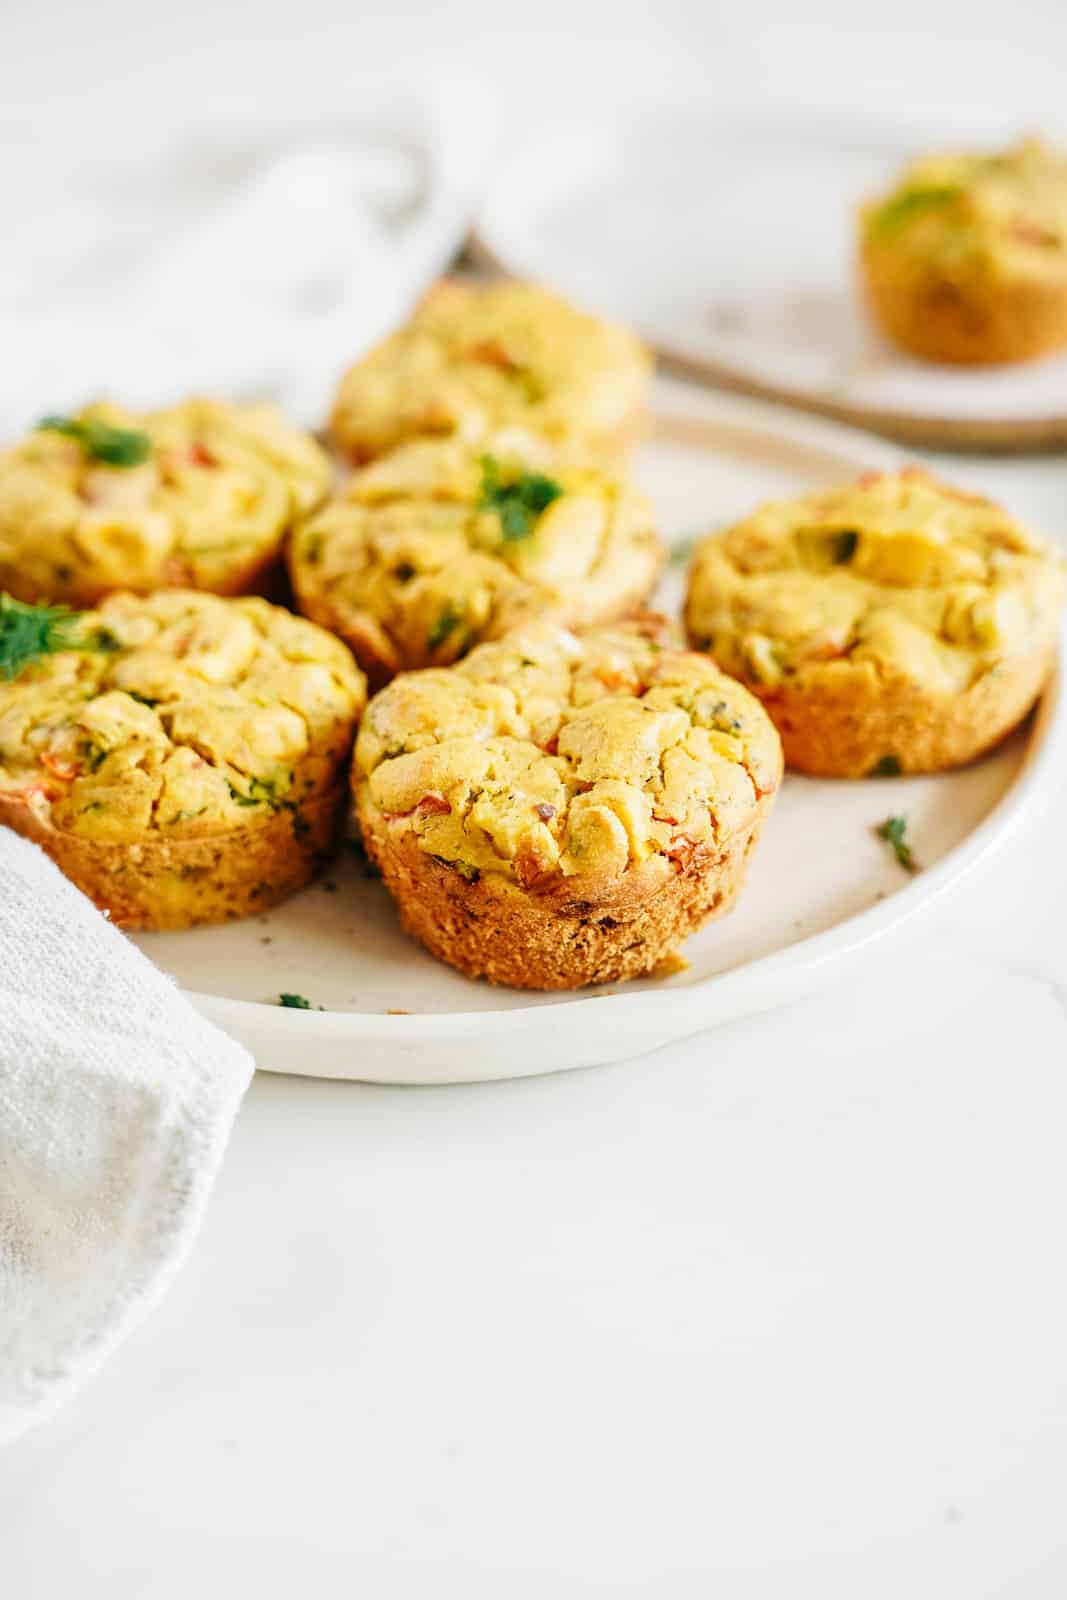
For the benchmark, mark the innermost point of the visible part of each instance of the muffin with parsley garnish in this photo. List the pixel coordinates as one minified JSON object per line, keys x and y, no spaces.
{"x":893,"y":625}
{"x":965,"y":260}
{"x":562,"y":809}
{"x":436,"y":547}
{"x":181,"y":757}
{"x":478,"y":357}
{"x":198,"y":496}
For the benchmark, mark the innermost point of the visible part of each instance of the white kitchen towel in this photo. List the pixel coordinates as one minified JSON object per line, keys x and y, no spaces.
{"x":116,"y":1101}
{"x":250,"y":262}
{"x":259,"y":268}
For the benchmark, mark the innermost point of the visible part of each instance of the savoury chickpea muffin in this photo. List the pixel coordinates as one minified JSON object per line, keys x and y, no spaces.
{"x":182,"y":758}
{"x":198,"y":496}
{"x":561,"y":809}
{"x":434,"y":549}
{"x":965,"y":260}
{"x":894,"y":625}
{"x":478,"y":357}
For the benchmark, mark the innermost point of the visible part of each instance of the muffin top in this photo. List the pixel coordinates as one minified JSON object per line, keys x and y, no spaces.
{"x":1007,"y":211}
{"x":179,"y":714}
{"x":896,"y":571}
{"x":550,"y":754}
{"x":198,"y":495}
{"x":475,"y":358}
{"x":435,"y":548}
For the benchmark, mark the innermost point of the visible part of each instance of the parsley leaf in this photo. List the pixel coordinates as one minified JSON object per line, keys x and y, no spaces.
{"x":892,"y":830}
{"x":681,"y":551}
{"x":448,"y":620}
{"x":260,"y":792}
{"x":27,"y":633}
{"x":901,"y":208}
{"x":118,"y":447}
{"x":519,"y":502}
{"x":888,"y":767}
{"x":296,"y":1001}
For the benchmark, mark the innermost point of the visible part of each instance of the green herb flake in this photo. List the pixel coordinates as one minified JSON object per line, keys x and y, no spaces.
{"x":101,"y":441}
{"x":888,"y":767}
{"x":240,"y":799}
{"x":843,"y":547}
{"x":893,"y":830}
{"x":295,"y":1001}
{"x":902,"y":208}
{"x":260,"y":792}
{"x":681,"y":551}
{"x":28,"y":633}
{"x":447,"y":621}
{"x":519,"y":501}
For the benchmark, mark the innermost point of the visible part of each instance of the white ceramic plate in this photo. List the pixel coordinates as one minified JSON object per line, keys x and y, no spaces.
{"x":821,"y":886}
{"x":729,"y":244}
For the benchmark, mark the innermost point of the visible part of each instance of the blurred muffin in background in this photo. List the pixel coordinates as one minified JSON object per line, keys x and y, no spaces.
{"x":437,"y":547}
{"x":478,"y":357}
{"x":892,"y":625}
{"x":965,"y":260}
{"x":197,"y":496}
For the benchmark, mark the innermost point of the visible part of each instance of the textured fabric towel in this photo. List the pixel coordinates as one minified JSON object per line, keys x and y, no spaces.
{"x":252,"y":261}
{"x":116,"y":1100}
{"x":298,"y":248}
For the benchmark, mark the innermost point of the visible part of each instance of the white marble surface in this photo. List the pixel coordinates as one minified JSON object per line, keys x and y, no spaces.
{"x":778,"y":1312}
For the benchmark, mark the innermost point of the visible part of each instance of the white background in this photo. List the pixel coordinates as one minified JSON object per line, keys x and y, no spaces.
{"x":130,"y":66}
{"x":780,"y":1312}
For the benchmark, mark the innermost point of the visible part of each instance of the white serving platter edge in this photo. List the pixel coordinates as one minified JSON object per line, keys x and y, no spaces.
{"x":822,"y":889}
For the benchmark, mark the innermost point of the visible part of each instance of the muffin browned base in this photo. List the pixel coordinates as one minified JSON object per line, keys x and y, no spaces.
{"x":179,"y":883}
{"x":849,"y":724}
{"x":979,"y":322}
{"x":572,"y":933}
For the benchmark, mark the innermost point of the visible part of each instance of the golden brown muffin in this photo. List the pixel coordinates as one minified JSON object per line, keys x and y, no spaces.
{"x":965,"y":260}
{"x":478,"y":357}
{"x":182,"y":758}
{"x":892,"y":625}
{"x":199,"y":496}
{"x":564,"y":809}
{"x":434,"y":549}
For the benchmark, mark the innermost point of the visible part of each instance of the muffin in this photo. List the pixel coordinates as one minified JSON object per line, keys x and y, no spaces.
{"x":182,"y":758}
{"x":895,"y":625}
{"x":965,"y":260}
{"x":478,"y":357}
{"x":434,"y":549}
{"x":200,"y":496}
{"x":563,"y":809}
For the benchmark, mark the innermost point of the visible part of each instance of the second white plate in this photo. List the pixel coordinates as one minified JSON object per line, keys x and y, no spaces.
{"x":729,"y":244}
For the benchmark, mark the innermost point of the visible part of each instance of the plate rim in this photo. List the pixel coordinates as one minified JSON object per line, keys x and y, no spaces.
{"x":1042,"y":431}
{"x":1019,"y":802}
{"x":851,"y":450}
